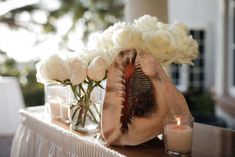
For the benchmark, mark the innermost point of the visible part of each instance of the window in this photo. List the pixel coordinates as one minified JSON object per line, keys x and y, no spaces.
{"x":196,"y":72}
{"x":185,"y":76}
{"x":231,"y":48}
{"x":175,"y":73}
{"x":179,"y":75}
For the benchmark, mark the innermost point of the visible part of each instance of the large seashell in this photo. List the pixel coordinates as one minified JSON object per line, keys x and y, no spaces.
{"x":138,"y":96}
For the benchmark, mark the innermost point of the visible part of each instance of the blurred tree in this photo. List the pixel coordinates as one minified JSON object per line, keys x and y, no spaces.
{"x":8,"y":66}
{"x":92,"y":14}
{"x":42,"y":17}
{"x":32,"y":91}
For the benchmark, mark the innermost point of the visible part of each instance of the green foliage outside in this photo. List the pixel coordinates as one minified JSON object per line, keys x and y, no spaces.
{"x":33,"y":92}
{"x":92,"y":14}
{"x":200,"y":102}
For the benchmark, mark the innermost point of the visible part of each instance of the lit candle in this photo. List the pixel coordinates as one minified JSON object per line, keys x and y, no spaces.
{"x":178,"y":136}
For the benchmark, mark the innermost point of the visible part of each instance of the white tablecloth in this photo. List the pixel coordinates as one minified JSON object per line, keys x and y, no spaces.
{"x":11,"y":101}
{"x":38,"y":137}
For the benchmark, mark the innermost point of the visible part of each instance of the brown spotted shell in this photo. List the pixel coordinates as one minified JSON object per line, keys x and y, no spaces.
{"x":138,"y":96}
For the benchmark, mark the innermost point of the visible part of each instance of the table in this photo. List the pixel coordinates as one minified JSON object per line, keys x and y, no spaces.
{"x":11,"y":100}
{"x":37,"y":135}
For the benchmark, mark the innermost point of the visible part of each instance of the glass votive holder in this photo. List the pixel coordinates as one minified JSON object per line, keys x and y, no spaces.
{"x":53,"y":107}
{"x":64,"y":112}
{"x":178,"y":135}
{"x":56,"y":100}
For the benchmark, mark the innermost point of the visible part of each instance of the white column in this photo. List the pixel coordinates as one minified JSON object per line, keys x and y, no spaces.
{"x":220,"y":68}
{"x":137,"y":8}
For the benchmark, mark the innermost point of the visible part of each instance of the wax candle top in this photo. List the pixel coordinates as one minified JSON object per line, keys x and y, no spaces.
{"x":177,"y":128}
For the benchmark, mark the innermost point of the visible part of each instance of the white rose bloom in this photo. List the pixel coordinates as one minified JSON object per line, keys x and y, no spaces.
{"x":180,"y":30}
{"x":104,"y":41}
{"x":76,"y":70}
{"x":96,"y":70}
{"x":179,"y":26}
{"x":161,"y":44}
{"x":127,"y":38}
{"x":54,"y":68}
{"x":146,"y":23}
{"x":41,"y":73}
{"x":187,"y":48}
{"x":112,"y":29}
{"x":88,"y":55}
{"x":108,"y":57}
{"x":163,"y":26}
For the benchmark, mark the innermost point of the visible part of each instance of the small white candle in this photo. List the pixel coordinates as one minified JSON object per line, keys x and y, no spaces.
{"x":54,"y":108}
{"x":64,"y":113}
{"x":178,"y":137}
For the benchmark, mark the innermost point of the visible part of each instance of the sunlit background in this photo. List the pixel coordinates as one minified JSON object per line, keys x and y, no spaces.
{"x":33,"y":29}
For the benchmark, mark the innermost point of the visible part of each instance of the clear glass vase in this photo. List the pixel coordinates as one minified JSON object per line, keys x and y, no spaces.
{"x":85,"y":111}
{"x":85,"y":118}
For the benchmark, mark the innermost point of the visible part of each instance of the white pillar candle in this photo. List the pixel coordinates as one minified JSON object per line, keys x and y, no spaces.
{"x":178,"y":137}
{"x":64,"y":113}
{"x":54,"y":108}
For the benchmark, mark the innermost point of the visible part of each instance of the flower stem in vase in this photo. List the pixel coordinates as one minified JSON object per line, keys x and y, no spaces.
{"x":85,"y":117}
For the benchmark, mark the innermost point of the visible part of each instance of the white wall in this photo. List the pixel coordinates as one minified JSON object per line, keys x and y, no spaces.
{"x":136,"y":8}
{"x":199,"y":14}
{"x":209,"y":14}
{"x":193,"y":11}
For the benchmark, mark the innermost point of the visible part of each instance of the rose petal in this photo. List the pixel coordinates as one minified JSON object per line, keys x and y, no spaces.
{"x":97,"y":69}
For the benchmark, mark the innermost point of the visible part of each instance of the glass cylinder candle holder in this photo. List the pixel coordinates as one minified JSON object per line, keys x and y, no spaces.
{"x":57,"y":101}
{"x":178,"y":135}
{"x":64,"y":112}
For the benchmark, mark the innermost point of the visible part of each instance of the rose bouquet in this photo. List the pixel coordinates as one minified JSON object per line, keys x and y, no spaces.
{"x":82,"y":76}
{"x":168,"y":43}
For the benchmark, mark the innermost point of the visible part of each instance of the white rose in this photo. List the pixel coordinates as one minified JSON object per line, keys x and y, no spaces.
{"x":96,"y":70}
{"x":41,"y":75}
{"x":179,"y":30}
{"x":103,"y":42}
{"x":53,"y":68}
{"x":179,"y":27}
{"x":76,"y":70}
{"x":146,"y":23}
{"x":112,"y":29}
{"x":187,"y":48}
{"x":162,"y":26}
{"x":161,"y":44}
{"x":88,"y":55}
{"x":127,"y":38}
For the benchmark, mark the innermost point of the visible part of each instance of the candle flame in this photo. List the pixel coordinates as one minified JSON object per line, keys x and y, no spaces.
{"x":178,"y":121}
